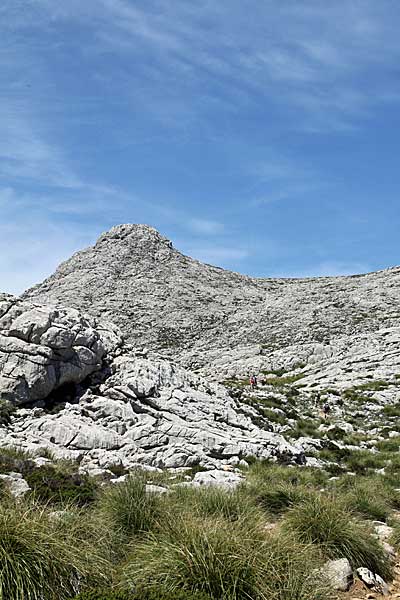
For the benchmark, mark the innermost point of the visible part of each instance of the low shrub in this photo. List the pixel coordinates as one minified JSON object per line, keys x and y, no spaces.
{"x":363,"y":461}
{"x":376,"y":385}
{"x":15,"y":459}
{"x":41,"y":560}
{"x":392,"y":410}
{"x":272,"y":416}
{"x":51,"y":484}
{"x":389,"y":445}
{"x":368,"y":499}
{"x":263,"y":471}
{"x":279,"y":498}
{"x":325,"y":521}
{"x":335,"y":453}
{"x":224,"y":560}
{"x":395,"y":538}
{"x":306,"y":428}
{"x":127,"y":507}
{"x":283,"y":381}
{"x":213,"y":502}
{"x":7,"y":409}
{"x":355,"y":397}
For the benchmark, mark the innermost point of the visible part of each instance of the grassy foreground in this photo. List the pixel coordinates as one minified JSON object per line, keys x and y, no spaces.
{"x":264,"y":541}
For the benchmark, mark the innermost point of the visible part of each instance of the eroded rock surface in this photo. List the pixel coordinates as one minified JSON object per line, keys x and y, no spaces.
{"x":43,"y":348}
{"x":152,"y":413}
{"x":205,"y":316}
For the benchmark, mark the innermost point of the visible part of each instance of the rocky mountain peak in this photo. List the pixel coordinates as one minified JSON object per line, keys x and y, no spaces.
{"x":197,"y":313}
{"x":135,"y":235}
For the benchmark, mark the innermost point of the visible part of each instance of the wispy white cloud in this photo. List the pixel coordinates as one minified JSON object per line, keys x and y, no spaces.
{"x":278,"y":178}
{"x":314,"y":57}
{"x":205,"y":226}
{"x":24,"y":154}
{"x":31,"y":250}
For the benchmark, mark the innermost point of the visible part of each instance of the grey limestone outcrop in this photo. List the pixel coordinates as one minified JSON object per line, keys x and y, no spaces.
{"x":166,"y":385}
{"x":148,"y":412}
{"x":207,"y":317}
{"x":43,"y":348}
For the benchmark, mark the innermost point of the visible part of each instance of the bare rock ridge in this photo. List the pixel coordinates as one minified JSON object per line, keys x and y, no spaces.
{"x":197,"y":313}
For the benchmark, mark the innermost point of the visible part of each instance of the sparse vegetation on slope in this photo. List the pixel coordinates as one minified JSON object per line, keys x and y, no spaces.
{"x":265,"y":540}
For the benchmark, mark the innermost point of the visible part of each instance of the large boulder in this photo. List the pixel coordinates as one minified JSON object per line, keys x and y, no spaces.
{"x":43,"y":348}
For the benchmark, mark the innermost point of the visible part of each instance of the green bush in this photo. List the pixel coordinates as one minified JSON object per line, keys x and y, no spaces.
{"x":377,"y":385}
{"x":335,"y":453}
{"x":273,"y":416}
{"x":128,"y":508}
{"x":266,"y":472}
{"x":50,"y":484}
{"x":15,"y":459}
{"x":306,"y":428}
{"x":325,"y":521}
{"x":283,"y":381}
{"x":233,"y":561}
{"x":279,"y":498}
{"x":395,"y":538}
{"x":40,"y":559}
{"x":392,"y":410}
{"x":212,"y":501}
{"x":369,"y":500}
{"x":363,"y":461}
{"x":390,"y":445}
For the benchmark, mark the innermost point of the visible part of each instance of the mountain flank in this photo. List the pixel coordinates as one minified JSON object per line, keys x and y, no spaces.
{"x":172,"y":303}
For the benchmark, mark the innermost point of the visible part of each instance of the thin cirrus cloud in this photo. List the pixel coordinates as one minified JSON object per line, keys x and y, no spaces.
{"x":274,"y":57}
{"x":121,"y":110}
{"x":206,"y":227}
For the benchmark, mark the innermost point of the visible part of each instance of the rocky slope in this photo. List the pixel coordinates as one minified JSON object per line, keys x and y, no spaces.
{"x":202,"y":314}
{"x":310,"y":341}
{"x":91,"y":398}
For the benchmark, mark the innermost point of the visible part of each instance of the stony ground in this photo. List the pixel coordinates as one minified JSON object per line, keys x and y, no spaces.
{"x":359,"y":591}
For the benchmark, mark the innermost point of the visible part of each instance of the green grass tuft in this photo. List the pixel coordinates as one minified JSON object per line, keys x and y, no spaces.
{"x":127,"y":507}
{"x":233,"y":561}
{"x":325,"y":521}
{"x":40,"y":558}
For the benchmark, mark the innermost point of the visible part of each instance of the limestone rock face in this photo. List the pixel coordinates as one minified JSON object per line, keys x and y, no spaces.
{"x":205,"y":316}
{"x":149,"y":412}
{"x":43,"y":348}
{"x":16,"y":484}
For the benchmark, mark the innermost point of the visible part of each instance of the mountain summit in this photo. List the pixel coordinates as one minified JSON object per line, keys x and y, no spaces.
{"x":134,"y":277}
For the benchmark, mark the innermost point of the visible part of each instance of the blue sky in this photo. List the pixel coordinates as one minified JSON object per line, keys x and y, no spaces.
{"x":261,"y":136}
